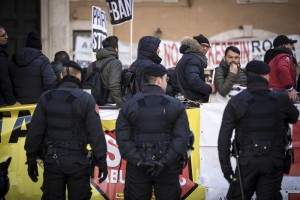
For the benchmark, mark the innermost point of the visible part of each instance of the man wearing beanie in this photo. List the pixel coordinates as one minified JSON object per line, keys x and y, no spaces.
{"x":259,"y":116}
{"x":283,"y":66}
{"x":111,"y":69}
{"x":65,"y":120}
{"x":153,"y":135}
{"x":190,"y":69}
{"x":147,"y":54}
{"x":31,"y":71}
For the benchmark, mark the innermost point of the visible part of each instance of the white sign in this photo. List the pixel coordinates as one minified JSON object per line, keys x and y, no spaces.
{"x":83,"y":51}
{"x":251,"y":49}
{"x":99,"y":30}
{"x":120,"y":10}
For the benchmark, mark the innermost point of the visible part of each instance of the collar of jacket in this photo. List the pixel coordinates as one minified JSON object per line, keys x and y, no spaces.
{"x":70,"y":82}
{"x":152,"y":88}
{"x":223,"y":64}
{"x":271,"y":53}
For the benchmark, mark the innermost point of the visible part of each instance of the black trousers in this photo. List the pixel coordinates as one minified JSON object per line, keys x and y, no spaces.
{"x":262,"y":175}
{"x":57,"y":181}
{"x":139,"y":185}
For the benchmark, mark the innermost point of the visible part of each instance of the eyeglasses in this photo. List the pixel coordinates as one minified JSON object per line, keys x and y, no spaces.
{"x":205,"y":46}
{"x":4,"y":34}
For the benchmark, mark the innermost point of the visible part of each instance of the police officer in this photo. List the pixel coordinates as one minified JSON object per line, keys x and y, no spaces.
{"x":64,"y":122}
{"x":259,"y":116}
{"x":153,"y":134}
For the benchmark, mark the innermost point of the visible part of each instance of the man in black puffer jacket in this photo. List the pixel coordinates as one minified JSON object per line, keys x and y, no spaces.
{"x":190,"y":69}
{"x":6,"y":90}
{"x":31,"y":71}
{"x":148,"y":50}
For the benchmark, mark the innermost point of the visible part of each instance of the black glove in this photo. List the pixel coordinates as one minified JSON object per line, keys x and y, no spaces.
{"x":158,"y":168}
{"x":227,"y":171}
{"x":32,"y":168}
{"x":102,"y":165}
{"x":147,"y":166}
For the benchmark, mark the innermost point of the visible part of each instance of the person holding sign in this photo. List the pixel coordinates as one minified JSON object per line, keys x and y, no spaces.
{"x":110,"y":68}
{"x":153,"y":136}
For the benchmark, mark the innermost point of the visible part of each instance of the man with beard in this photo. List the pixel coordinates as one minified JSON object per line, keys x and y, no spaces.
{"x":282,"y":64}
{"x":190,"y":69}
{"x":229,"y":78}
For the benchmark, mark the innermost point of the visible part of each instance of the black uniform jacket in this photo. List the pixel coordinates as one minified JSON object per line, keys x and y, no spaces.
{"x":128,"y":119}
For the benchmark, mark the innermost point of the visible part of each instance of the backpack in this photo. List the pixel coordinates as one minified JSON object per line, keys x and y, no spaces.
{"x":129,"y":84}
{"x":93,"y":85}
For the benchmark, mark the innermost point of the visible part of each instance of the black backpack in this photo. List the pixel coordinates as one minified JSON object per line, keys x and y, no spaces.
{"x":129,"y":84}
{"x":93,"y":85}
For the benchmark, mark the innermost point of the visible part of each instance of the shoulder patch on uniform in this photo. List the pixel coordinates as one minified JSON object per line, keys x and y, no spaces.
{"x":97,"y":108}
{"x":287,"y":59}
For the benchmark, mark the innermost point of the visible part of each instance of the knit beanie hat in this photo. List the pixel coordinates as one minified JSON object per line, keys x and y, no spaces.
{"x":201,"y":39}
{"x":33,"y":41}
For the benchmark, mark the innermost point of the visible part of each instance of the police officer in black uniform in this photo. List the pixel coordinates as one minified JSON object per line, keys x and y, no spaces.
{"x":259,"y":116}
{"x":64,"y":122}
{"x":153,"y":135}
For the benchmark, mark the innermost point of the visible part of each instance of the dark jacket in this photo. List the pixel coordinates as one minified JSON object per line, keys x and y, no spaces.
{"x":147,"y":55}
{"x":111,"y":74}
{"x":130,"y":118}
{"x":84,"y":110}
{"x":235,"y":117}
{"x":283,"y":69}
{"x":57,"y":68}
{"x":31,"y":74}
{"x":6,"y":90}
{"x":224,"y":79}
{"x":190,"y":71}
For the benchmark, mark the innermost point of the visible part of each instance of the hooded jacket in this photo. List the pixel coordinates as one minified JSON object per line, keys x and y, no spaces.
{"x":6,"y":90}
{"x":31,"y":75}
{"x":147,"y":55}
{"x":190,"y":71}
{"x":283,"y":70}
{"x":111,"y":74}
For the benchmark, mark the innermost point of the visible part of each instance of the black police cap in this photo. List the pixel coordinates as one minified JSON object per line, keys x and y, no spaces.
{"x":73,"y":64}
{"x":201,"y":39}
{"x":258,"y":67}
{"x":156,"y":70}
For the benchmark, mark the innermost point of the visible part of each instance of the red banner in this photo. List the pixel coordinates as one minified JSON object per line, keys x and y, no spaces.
{"x":112,"y":188}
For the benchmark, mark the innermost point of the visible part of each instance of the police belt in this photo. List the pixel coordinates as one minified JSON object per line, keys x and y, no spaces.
{"x":69,"y":146}
{"x":262,"y":148}
{"x":278,"y":154}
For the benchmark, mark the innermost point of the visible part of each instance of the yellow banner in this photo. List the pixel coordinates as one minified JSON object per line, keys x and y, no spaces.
{"x":14,"y":122}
